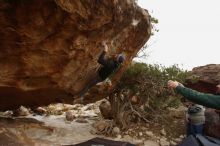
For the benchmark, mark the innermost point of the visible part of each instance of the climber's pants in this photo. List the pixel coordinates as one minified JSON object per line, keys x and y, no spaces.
{"x":92,"y":83}
{"x":193,"y":129}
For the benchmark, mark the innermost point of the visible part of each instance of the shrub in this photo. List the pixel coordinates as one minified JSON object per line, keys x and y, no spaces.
{"x":149,"y":83}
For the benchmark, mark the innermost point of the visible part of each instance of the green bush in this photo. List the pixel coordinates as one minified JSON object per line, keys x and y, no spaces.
{"x":149,"y":82}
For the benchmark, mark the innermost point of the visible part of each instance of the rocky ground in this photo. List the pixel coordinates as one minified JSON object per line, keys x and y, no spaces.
{"x":62,"y":124}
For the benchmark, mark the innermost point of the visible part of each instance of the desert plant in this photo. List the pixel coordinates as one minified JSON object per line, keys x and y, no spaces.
{"x":149,"y":84}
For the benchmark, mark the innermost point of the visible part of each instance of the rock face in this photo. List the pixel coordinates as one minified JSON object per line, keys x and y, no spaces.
{"x":205,"y":78}
{"x":49,"y":48}
{"x":212,"y":124}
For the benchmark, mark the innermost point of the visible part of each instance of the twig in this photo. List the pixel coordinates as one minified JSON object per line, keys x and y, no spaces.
{"x":137,"y":113}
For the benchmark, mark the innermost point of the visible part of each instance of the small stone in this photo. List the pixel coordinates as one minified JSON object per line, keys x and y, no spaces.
{"x":118,"y":136}
{"x":8,"y":113}
{"x":86,"y":108}
{"x":140,"y":133}
{"x":70,"y":116}
{"x":162,"y":132}
{"x":138,"y":142}
{"x":101,"y":125}
{"x":173,"y":143}
{"x":116,"y":130}
{"x":23,"y":111}
{"x":127,"y":138}
{"x":150,"y":143}
{"x":177,"y":140}
{"x":81,"y":120}
{"x":181,"y":136}
{"x":129,"y":129}
{"x":134,"y":99}
{"x":149,"y":133}
{"x":142,"y":107}
{"x":164,"y":142}
{"x":41,"y":110}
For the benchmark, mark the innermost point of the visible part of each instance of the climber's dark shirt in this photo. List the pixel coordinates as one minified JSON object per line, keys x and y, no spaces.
{"x":108,"y":66}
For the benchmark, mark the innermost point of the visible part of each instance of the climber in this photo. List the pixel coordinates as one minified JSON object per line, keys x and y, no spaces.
{"x":108,"y":66}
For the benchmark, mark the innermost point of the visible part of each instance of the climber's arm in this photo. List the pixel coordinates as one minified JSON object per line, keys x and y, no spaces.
{"x":102,"y":59}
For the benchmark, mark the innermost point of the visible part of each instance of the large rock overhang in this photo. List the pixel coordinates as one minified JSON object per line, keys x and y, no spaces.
{"x":49,"y":48}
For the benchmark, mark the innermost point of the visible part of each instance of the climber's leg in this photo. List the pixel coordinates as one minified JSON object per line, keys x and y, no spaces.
{"x":92,"y":83}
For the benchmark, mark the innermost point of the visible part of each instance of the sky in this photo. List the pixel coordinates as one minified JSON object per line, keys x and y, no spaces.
{"x":189,"y":32}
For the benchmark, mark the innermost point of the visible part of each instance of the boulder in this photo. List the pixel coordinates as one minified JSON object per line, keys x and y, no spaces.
{"x":49,"y":48}
{"x":212,"y":124}
{"x":105,"y":109}
{"x":23,"y":111}
{"x":204,"y":78}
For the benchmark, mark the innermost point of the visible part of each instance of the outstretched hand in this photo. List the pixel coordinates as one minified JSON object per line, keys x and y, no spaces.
{"x":172,"y":84}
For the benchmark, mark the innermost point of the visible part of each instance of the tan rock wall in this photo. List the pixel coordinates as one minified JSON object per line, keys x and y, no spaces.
{"x":53,"y":45}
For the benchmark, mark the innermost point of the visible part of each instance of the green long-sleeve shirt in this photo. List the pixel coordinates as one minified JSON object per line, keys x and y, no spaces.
{"x":208,"y":100}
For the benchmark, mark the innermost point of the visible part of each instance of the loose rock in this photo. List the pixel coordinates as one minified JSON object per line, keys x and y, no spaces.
{"x":119,"y":137}
{"x":138,"y":142}
{"x":134,"y":99}
{"x":70,"y":116}
{"x":128,"y":138}
{"x":173,"y":143}
{"x":81,"y":120}
{"x":101,"y":125}
{"x":162,"y":132}
{"x":151,"y":143}
{"x":23,"y":111}
{"x":8,"y":113}
{"x":116,"y":130}
{"x":41,"y":110}
{"x":164,"y":142}
{"x":149,"y":133}
{"x":105,"y":109}
{"x":177,"y":140}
